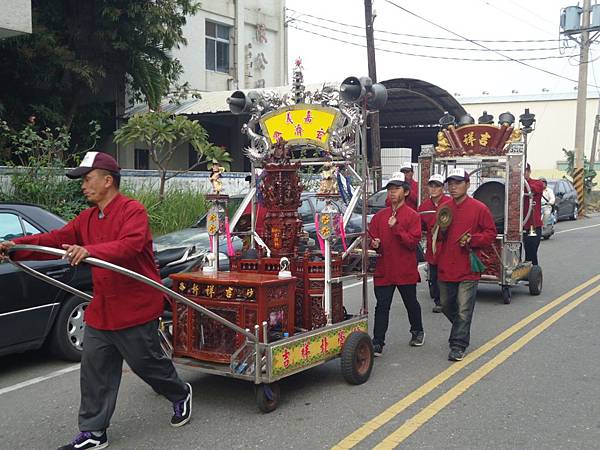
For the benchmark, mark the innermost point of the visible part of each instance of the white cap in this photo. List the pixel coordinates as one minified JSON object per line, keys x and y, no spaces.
{"x":458,"y":173}
{"x":397,"y":179}
{"x":437,"y":178}
{"x":406,"y":166}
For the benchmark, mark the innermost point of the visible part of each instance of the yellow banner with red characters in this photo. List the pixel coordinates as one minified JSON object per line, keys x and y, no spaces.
{"x":301,"y":124}
{"x":300,"y":354}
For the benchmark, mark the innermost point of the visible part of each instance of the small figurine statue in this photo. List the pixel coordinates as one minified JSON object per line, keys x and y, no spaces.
{"x":215,"y":177}
{"x":284,"y":268}
{"x":328,"y":182}
{"x":443,"y":144}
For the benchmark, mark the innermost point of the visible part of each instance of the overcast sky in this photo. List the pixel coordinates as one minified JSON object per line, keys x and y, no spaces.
{"x":325,"y":59}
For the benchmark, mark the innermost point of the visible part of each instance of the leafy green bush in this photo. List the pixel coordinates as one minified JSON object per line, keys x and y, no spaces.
{"x":180,"y":208}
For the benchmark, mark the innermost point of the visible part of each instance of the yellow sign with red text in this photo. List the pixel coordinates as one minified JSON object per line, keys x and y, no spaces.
{"x":301,"y":124}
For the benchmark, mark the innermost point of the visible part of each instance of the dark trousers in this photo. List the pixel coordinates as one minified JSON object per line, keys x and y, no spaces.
{"x":384,"y":295}
{"x":458,"y":303}
{"x":434,"y":288}
{"x":102,"y":365}
{"x":531,"y":244}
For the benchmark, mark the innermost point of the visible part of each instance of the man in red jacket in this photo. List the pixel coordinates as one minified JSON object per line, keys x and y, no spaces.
{"x":428,"y":209}
{"x":413,"y":196}
{"x":472,"y":228}
{"x":531,"y":243}
{"x":395,"y":232}
{"x":121,"y":320}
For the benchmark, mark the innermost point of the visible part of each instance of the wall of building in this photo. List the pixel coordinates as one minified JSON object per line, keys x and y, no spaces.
{"x":254,"y":58}
{"x":15,"y":17}
{"x":554,"y":128}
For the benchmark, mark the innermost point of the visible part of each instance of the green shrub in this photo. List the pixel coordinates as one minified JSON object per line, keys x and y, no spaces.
{"x":181,"y":207}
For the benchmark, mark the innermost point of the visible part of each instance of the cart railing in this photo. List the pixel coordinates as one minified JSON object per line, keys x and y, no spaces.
{"x":253,"y":337}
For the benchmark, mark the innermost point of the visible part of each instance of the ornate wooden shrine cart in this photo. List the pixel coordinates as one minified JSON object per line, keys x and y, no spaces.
{"x":494,"y":157}
{"x":279,"y":311}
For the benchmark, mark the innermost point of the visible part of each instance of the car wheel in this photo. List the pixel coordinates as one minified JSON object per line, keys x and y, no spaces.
{"x":575,"y":213}
{"x":67,"y":335}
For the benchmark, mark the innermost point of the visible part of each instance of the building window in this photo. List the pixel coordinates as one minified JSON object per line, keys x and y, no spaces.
{"x":217,"y":47}
{"x":142,"y":160}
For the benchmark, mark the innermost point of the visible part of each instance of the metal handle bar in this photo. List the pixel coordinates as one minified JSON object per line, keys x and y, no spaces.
{"x":123,"y":271}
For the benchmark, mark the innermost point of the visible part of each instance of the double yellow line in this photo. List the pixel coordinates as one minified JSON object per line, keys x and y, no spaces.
{"x":411,"y":425}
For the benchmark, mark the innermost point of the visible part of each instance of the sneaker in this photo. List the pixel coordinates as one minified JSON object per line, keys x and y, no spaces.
{"x":377,"y":349}
{"x":437,"y":309}
{"x":418,"y":339}
{"x":456,"y":354}
{"x":182,"y":410}
{"x":85,"y":440}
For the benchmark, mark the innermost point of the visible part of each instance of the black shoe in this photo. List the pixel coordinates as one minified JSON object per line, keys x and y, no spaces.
{"x":377,"y":349}
{"x":437,"y":309}
{"x":418,"y":339}
{"x":456,"y":354}
{"x":86,"y":440}
{"x":182,"y":410}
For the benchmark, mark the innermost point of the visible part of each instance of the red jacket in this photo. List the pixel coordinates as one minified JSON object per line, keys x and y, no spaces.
{"x":428,"y":221}
{"x":413,"y":197}
{"x":453,"y":261}
{"x":397,"y":263}
{"x":121,"y":237}
{"x":535,"y":218}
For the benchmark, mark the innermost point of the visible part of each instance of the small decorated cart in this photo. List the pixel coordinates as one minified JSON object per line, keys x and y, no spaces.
{"x":279,"y":310}
{"x":494,"y":157}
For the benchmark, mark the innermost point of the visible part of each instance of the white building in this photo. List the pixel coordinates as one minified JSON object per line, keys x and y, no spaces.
{"x":15,"y":17}
{"x":554,"y":128}
{"x":231,"y":44}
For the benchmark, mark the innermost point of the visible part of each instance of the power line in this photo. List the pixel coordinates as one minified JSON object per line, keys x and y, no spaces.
{"x":520,"y":19}
{"x":426,"y":45}
{"x":416,"y":35}
{"x":451,"y":58}
{"x":481,"y":45}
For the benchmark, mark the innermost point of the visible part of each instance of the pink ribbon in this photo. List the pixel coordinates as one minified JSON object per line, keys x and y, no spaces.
{"x":319,"y":238}
{"x":340,"y":220}
{"x":210,"y":242}
{"x":230,"y":250}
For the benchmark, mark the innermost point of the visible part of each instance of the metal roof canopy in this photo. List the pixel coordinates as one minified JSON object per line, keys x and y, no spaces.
{"x":410,"y":116}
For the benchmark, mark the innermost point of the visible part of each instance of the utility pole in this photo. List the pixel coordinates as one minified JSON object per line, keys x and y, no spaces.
{"x":578,"y":179}
{"x":373,"y":116}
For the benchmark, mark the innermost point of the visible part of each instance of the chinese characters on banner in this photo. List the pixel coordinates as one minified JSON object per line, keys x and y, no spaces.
{"x":483,"y":140}
{"x":304,"y":123}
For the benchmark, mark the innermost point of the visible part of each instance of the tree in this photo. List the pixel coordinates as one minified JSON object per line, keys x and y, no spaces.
{"x":163,"y":133}
{"x":81,"y":55}
{"x":588,"y":171}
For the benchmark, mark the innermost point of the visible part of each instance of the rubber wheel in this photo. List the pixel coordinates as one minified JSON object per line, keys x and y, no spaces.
{"x":535,"y":280}
{"x":357,"y":358}
{"x":506,"y":295}
{"x":267,"y":397}
{"x":66,"y":340}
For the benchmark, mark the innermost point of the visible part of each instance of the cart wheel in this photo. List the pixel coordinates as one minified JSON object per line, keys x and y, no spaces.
{"x":267,"y":396}
{"x":535,"y":280}
{"x":506,"y":295}
{"x":357,"y":358}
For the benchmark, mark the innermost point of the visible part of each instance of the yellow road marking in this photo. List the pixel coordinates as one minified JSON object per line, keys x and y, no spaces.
{"x":414,"y":423}
{"x":374,"y":424}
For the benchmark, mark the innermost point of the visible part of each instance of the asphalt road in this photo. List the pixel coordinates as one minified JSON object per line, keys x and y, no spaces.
{"x":531,"y":380}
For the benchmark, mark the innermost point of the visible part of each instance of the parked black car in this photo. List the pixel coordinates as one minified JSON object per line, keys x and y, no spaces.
{"x":33,"y":312}
{"x":566,"y":199}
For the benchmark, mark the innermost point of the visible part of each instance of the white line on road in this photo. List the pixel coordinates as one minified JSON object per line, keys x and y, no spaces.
{"x":358,"y":283}
{"x":57,"y":373}
{"x":577,"y":228}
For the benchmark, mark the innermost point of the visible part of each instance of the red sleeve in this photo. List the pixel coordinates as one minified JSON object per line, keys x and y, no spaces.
{"x":410,"y":233}
{"x":133,"y":236}
{"x":537,"y":186}
{"x":69,"y":234}
{"x":373,"y":228}
{"x":486,"y":227}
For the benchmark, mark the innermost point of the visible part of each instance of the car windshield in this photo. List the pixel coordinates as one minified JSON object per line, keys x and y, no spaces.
{"x":182,"y":238}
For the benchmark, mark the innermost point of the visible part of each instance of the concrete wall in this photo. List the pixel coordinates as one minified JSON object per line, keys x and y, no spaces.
{"x":15,"y":17}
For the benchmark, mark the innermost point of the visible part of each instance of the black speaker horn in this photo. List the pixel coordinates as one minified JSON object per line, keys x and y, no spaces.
{"x":241,"y":103}
{"x":377,"y":97}
{"x":352,"y":90}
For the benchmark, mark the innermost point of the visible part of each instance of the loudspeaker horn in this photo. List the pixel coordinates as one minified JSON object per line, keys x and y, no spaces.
{"x":352,"y":90}
{"x":377,"y":97}
{"x":241,"y":103}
